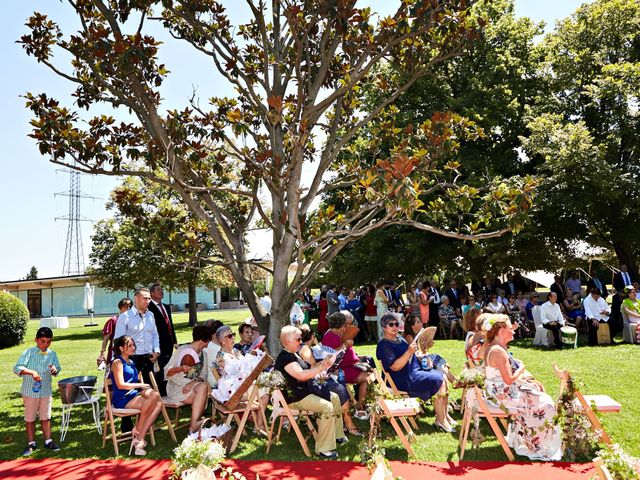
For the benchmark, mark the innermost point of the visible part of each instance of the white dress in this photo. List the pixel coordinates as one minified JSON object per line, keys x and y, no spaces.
{"x":176,"y":382}
{"x":531,"y":433}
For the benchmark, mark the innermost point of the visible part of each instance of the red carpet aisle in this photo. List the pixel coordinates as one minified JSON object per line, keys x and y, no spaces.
{"x":88,"y":469}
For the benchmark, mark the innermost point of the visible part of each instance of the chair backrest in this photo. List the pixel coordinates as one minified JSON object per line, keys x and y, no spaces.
{"x":537,"y":316}
{"x":247,"y":382}
{"x":387,"y":382}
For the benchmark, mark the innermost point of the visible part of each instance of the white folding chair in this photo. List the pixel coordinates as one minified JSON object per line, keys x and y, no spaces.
{"x":543,"y":336}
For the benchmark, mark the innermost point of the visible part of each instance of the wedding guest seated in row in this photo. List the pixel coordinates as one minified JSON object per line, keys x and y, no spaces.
{"x":246,"y":338}
{"x":412,"y":327}
{"x":298,"y":373}
{"x":399,"y":360}
{"x":308,"y":348}
{"x":552,"y":318}
{"x":474,"y":341}
{"x":494,"y":305}
{"x":532,"y":432}
{"x":129,"y":392}
{"x":211,"y":350}
{"x":186,"y":375}
{"x":448,"y":317}
{"x":597,"y":312}
{"x":631,"y":306}
{"x":573,"y":307}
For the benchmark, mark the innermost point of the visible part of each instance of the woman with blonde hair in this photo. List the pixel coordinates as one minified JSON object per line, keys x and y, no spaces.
{"x":532,"y":432}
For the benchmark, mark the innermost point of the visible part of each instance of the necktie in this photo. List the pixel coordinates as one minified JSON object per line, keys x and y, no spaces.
{"x":166,"y":317}
{"x":627,"y":280}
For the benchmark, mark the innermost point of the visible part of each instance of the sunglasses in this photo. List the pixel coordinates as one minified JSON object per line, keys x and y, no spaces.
{"x":393,"y":324}
{"x":231,"y":335}
{"x":299,"y":339}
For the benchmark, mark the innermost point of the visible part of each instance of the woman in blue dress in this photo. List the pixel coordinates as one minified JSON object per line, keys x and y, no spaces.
{"x":128,"y":392}
{"x":399,"y":360}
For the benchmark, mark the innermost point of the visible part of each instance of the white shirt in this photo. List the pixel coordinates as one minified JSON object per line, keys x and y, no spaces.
{"x":141,"y":328}
{"x":592,"y":308}
{"x":211,"y":351}
{"x":550,"y":312}
{"x":266,"y":303}
{"x":296,"y":316}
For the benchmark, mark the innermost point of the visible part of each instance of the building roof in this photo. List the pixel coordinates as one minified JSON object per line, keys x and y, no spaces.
{"x":39,"y":283}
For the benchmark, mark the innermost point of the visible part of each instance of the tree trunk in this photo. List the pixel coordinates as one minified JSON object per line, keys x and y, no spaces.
{"x":193,"y":308}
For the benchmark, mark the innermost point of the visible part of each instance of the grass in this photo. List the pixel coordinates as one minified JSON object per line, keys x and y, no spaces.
{"x":608,"y":370}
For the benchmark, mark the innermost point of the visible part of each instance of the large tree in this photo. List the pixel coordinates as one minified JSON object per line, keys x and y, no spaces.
{"x":300,"y":69}
{"x":153,"y":237}
{"x":588,"y":131}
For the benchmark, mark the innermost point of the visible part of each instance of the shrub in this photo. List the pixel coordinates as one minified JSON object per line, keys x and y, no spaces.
{"x":13,"y":320}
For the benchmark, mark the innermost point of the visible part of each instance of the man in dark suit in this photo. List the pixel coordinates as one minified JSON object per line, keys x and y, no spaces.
{"x":558,"y":289}
{"x":166,"y":332}
{"x":622,"y":278}
{"x":452,"y":293}
{"x":509,"y":286}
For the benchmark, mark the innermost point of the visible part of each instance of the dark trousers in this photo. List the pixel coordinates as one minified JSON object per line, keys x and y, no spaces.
{"x":593,"y":331}
{"x":555,"y":329}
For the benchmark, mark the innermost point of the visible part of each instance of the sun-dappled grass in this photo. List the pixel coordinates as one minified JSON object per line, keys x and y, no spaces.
{"x":608,"y":370}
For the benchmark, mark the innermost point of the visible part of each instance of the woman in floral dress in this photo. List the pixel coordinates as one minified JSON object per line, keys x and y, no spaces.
{"x":532,"y":432}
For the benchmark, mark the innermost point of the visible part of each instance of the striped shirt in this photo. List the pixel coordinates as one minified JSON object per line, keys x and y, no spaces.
{"x":35,"y":359}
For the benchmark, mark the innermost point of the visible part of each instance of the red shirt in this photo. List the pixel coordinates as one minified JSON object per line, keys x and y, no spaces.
{"x":109,"y":329}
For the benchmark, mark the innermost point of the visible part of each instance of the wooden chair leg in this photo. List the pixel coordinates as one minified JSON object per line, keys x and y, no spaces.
{"x":403,"y":438}
{"x":501,"y":439}
{"x":464,"y":432}
{"x":270,"y":433}
{"x":167,"y":420}
{"x":301,"y":439}
{"x":412,"y":422}
{"x":114,"y":437}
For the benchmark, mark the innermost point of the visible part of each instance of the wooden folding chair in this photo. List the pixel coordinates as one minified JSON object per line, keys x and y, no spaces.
{"x":238,"y":408}
{"x":601,"y":469}
{"x":172,"y":425}
{"x":390,"y":384}
{"x":110,"y":412}
{"x":601,"y":403}
{"x":401,"y":410}
{"x":478,"y":407}
{"x":280,"y":411}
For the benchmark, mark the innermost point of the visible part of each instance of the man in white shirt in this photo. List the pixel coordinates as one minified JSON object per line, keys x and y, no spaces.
{"x":552,"y":318}
{"x":140,"y":324}
{"x":266,"y":302}
{"x":597,"y":311}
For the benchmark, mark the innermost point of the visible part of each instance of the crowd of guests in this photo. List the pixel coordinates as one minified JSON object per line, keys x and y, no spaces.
{"x":322,"y":367}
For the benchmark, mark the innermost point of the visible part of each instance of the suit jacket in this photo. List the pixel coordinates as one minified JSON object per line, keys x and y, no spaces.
{"x":559,"y":291}
{"x":507,"y":288}
{"x":591,"y":285}
{"x":453,"y":298}
{"x":619,"y":283}
{"x":167,"y":340}
{"x":333,"y":302}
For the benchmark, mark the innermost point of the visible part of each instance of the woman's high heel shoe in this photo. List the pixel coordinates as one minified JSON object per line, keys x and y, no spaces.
{"x":137,"y":446}
{"x":442,"y":427}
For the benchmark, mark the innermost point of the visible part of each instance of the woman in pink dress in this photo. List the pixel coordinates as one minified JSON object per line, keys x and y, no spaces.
{"x":425,"y":300}
{"x":352,"y":374}
{"x":323,"y":307}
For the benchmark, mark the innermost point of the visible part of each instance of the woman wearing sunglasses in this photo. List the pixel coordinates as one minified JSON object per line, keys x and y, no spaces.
{"x":399,"y":360}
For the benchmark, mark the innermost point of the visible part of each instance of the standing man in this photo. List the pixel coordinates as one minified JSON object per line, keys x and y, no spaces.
{"x":434,"y":292}
{"x":597,"y":311}
{"x":558,"y":289}
{"x":622,"y":278}
{"x":166,"y":333}
{"x":265,"y":300}
{"x":552,"y":318}
{"x":452,"y":293}
{"x":138,"y":322}
{"x":333,"y":302}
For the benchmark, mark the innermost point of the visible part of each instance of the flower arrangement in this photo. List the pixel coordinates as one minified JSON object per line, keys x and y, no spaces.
{"x":620,"y":465}
{"x":192,"y":454}
{"x":271,"y":381}
{"x":577,"y":435}
{"x":489,"y":322}
{"x":470,"y":377}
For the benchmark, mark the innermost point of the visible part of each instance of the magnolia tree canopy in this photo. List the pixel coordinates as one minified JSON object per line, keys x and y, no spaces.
{"x":287,"y":152}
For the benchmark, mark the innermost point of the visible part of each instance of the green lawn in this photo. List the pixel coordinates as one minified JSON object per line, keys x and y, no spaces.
{"x":607,"y":370}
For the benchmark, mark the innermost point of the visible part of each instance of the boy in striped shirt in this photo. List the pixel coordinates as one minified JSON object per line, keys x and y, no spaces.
{"x":36,"y":366}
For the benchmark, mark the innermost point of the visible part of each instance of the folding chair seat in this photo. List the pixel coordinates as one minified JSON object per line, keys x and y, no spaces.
{"x":395,"y":410}
{"x":172,"y":425}
{"x":110,"y":412}
{"x":281,"y":411}
{"x":543,"y":336}
{"x":388,"y":381}
{"x":478,"y":407}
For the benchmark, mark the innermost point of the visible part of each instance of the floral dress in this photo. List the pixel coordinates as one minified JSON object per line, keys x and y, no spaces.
{"x":176,"y":382}
{"x":531,"y":433}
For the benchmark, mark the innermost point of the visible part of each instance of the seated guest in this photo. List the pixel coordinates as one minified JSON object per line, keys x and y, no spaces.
{"x":573,"y":307}
{"x":308,"y":351}
{"x":227,"y":351}
{"x":211,"y":351}
{"x":552,"y":318}
{"x":298,"y":373}
{"x":533,"y":433}
{"x":596,"y":312}
{"x":186,"y":375}
{"x":352,"y":374}
{"x":532,"y":302}
{"x":128,"y":392}
{"x":246,"y":338}
{"x":399,"y":360}
{"x":494,"y":305}
{"x":412,"y":327}
{"x":448,"y":316}
{"x":474,"y":341}
{"x":631,"y":306}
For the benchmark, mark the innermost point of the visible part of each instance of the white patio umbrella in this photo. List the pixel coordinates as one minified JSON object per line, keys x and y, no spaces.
{"x":87,"y":302}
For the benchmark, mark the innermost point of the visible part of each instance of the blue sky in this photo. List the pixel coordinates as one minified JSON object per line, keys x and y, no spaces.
{"x":30,"y":235}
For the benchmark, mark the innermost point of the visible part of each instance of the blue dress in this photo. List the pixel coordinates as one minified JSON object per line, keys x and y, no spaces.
{"x":411,"y":378}
{"x":120,"y":398}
